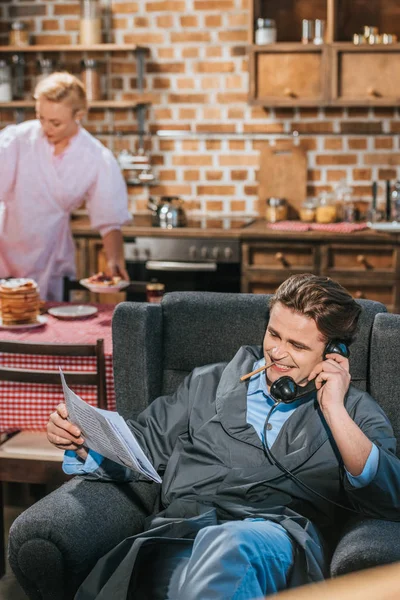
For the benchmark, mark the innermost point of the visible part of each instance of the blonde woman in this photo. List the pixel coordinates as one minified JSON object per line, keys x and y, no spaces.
{"x":48,"y":166}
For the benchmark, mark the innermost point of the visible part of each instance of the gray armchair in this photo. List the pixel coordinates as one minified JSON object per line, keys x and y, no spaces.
{"x":55,"y":543}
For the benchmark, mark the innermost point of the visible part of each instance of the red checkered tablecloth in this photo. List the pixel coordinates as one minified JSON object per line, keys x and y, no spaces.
{"x":28,"y":406}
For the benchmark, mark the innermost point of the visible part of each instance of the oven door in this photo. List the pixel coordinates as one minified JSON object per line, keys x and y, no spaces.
{"x":188,"y":276}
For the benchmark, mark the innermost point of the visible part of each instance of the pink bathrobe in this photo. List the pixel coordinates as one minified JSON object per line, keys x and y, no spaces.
{"x":38,"y":191}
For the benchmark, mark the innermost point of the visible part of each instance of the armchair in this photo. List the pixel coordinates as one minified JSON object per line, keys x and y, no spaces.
{"x":54,"y":544}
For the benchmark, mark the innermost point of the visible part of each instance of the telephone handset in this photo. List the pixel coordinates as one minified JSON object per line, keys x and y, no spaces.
{"x":286,"y":390}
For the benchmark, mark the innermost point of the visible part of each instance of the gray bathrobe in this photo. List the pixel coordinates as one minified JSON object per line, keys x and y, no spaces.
{"x":214,"y":469}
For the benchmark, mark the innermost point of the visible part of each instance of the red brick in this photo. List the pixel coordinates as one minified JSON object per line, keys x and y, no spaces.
{"x":236,"y":113}
{"x":357,"y":144}
{"x":214,"y":175}
{"x":251,"y":190}
{"x":336,"y":159}
{"x":213,"y":52}
{"x":387,"y":174}
{"x":185,"y":83}
{"x":167,"y":175}
{"x":191,"y":175}
{"x":382,"y":158}
{"x":238,"y":206}
{"x":210,"y":83}
{"x":383,"y":143}
{"x":215,"y":128}
{"x":161,"y":113}
{"x":187,"y":98}
{"x":165,"y":21}
{"x":237,"y":145}
{"x":214,"y":206}
{"x":361,"y":127}
{"x":53,"y":40}
{"x":190,"y":145}
{"x":190,"y":52}
{"x":189,"y":37}
{"x":213,"y":145}
{"x":211,"y":113}
{"x":220,"y":5}
{"x":238,"y":20}
{"x":313,"y":127}
{"x":214,"y":67}
{"x":232,"y":97}
{"x":314,"y":175}
{"x":144,"y":39}
{"x":215,"y":190}
{"x":50,"y":25}
{"x":167,"y":145}
{"x":196,"y":160}
{"x":333,"y":144}
{"x":161,"y":83}
{"x":233,"y":160}
{"x":175,"y":67}
{"x":335,"y":174}
{"x":187,"y":113}
{"x":233,"y":36}
{"x":124,"y":7}
{"x":213,"y":21}
{"x":138,"y":22}
{"x":263,"y":128}
{"x":238,"y":175}
{"x":189,"y":21}
{"x":66,"y":9}
{"x":166,"y":6}
{"x":362,"y":174}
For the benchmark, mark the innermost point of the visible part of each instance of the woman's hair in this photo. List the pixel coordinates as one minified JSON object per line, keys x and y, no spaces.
{"x":60,"y":87}
{"x":325,"y":301}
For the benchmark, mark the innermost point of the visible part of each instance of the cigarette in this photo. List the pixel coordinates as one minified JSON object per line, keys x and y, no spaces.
{"x":248,"y":375}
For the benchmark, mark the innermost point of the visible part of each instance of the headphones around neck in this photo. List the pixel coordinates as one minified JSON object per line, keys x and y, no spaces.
{"x":286,"y":390}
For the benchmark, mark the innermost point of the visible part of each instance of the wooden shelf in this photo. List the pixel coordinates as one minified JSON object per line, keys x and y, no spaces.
{"x":114,"y":104}
{"x":286,"y":47}
{"x":74,"y":48}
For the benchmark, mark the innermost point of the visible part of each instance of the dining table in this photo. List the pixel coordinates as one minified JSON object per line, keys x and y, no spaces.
{"x":27,"y":406}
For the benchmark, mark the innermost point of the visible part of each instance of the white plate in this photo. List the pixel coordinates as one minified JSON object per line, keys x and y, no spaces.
{"x":42,"y":320}
{"x":98,"y":288}
{"x":80,"y":311}
{"x":393,"y":227}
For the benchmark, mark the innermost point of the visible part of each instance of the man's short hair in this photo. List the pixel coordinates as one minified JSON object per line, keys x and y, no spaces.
{"x":325,"y":301}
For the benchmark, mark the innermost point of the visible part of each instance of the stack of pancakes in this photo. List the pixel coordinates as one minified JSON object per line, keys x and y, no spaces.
{"x":20,"y":301}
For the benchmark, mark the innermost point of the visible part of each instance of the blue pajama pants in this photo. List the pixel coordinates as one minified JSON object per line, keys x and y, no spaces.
{"x":238,"y":560}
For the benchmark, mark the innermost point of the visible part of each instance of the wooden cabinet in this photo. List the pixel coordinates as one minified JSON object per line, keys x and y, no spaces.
{"x":288,"y":74}
{"x":365,"y":269}
{"x":365,"y":75}
{"x":338,"y":72}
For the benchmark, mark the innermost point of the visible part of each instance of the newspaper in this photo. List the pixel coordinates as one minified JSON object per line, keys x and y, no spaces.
{"x":107,"y":433}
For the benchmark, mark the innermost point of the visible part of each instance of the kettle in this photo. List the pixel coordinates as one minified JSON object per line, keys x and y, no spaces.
{"x":168,"y":212}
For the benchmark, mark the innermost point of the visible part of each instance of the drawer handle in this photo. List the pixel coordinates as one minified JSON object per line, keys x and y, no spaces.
{"x":359,"y":294}
{"x":280,"y":257}
{"x":361,"y":259}
{"x":289,"y":93}
{"x":373,"y":92}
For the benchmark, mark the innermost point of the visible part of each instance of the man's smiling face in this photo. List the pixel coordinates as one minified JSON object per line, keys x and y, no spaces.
{"x":293,"y":343}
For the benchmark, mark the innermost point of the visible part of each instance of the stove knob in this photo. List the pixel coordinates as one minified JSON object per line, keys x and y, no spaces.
{"x":192,"y":252}
{"x":228,"y":252}
{"x":215,"y":252}
{"x":204,"y":252}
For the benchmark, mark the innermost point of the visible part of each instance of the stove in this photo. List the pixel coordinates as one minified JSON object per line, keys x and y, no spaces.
{"x":189,"y":263}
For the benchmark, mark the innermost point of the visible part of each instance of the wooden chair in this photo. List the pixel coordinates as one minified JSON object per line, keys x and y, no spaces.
{"x":27,"y":456}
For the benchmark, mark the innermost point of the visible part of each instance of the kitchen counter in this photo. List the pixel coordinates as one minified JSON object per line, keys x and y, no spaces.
{"x":237,"y":228}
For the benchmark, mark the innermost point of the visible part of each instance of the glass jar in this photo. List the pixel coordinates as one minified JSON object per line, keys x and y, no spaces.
{"x":5,"y":82}
{"x":91,"y":79}
{"x":307,"y":211}
{"x":19,"y":35}
{"x":326,"y":210}
{"x":276,"y":210}
{"x":18,"y":70}
{"x":90,"y":22}
{"x":45,"y":67}
{"x":155,"y":292}
{"x":265,"y":32}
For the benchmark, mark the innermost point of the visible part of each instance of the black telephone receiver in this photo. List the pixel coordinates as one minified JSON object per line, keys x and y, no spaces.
{"x":286,"y":390}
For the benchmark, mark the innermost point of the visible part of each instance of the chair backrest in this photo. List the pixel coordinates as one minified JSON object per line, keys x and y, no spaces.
{"x":156,"y":346}
{"x":21,"y":374}
{"x":385,"y":368}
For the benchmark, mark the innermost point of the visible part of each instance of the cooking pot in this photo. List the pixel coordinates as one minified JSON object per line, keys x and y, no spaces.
{"x":168,"y":212}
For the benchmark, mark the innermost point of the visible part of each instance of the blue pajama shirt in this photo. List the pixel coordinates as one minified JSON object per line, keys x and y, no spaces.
{"x":238,"y":560}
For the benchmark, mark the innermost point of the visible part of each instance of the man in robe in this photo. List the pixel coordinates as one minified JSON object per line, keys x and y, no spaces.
{"x":252,"y":487}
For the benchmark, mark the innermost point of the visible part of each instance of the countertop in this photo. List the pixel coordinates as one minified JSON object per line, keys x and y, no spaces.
{"x":237,"y":228}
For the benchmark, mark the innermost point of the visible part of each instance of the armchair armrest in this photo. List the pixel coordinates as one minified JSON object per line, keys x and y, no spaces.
{"x":55,"y":543}
{"x":366,"y":543}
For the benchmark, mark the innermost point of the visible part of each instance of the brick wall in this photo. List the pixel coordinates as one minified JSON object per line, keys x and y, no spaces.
{"x":197,"y":66}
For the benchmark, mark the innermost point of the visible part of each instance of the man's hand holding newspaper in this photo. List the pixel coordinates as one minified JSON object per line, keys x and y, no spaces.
{"x":107,"y":433}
